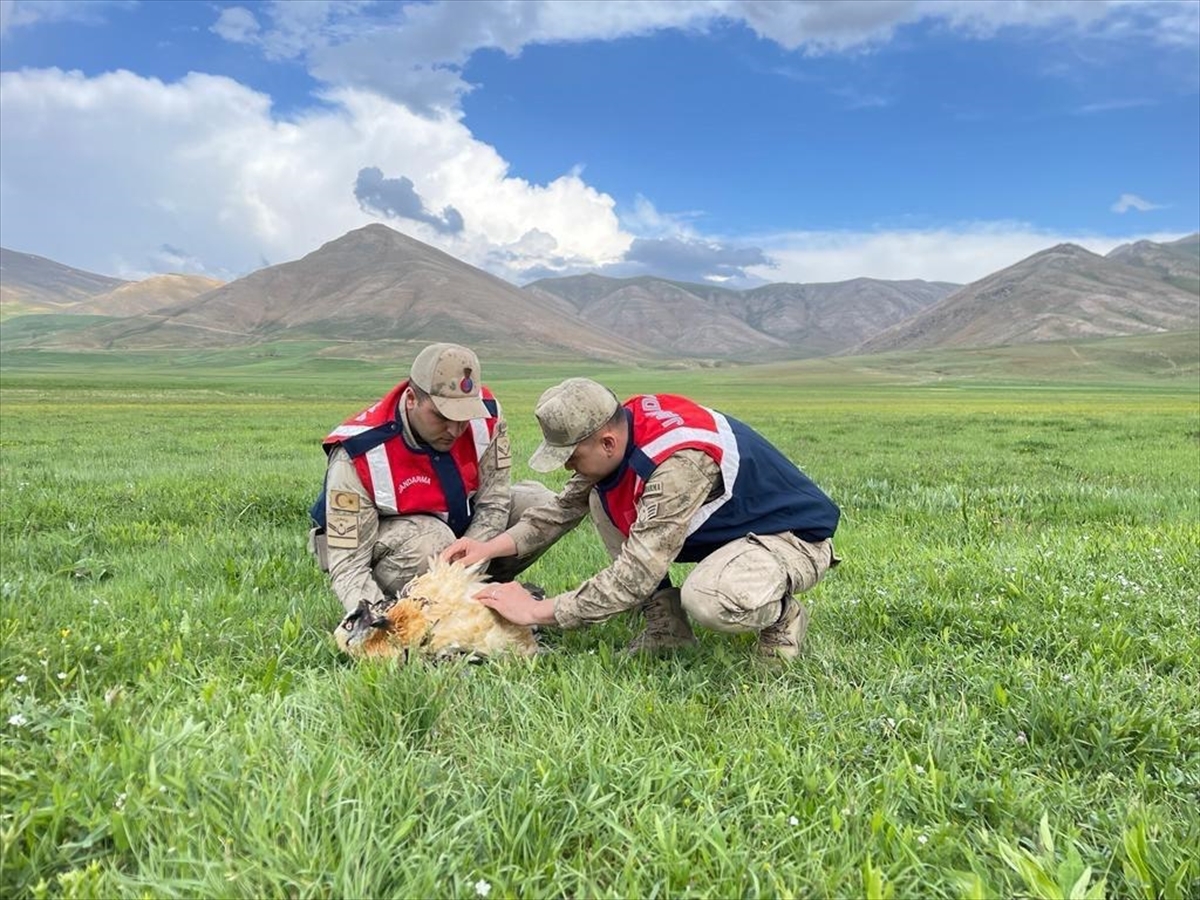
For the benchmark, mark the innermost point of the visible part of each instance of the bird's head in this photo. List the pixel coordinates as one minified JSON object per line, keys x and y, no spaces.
{"x":361,"y":629}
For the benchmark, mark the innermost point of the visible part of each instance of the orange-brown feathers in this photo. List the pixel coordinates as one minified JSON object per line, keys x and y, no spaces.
{"x":437,"y":616}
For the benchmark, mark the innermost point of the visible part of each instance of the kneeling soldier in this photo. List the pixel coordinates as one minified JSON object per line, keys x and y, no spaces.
{"x":668,"y":480}
{"x":426,"y":464}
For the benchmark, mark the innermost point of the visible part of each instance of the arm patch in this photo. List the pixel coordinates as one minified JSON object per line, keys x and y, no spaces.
{"x":341,"y":530}
{"x":503,"y":452}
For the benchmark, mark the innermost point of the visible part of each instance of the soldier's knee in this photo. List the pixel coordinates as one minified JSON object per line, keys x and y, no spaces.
{"x":526,"y":495}
{"x":703,"y":606}
{"x":429,"y":543}
{"x":404,"y":548}
{"x":738,"y":588}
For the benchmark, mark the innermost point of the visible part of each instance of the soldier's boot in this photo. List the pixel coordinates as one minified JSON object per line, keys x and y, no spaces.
{"x":785,"y":638}
{"x":667,"y":626}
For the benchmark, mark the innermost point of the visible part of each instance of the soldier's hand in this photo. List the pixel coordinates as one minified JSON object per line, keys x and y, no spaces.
{"x":467,"y":551}
{"x":516,"y":604}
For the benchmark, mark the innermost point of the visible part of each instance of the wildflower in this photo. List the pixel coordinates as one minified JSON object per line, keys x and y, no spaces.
{"x":1066,"y":677}
{"x":482,"y":888}
{"x":22,"y":678}
{"x":793,"y":821}
{"x":96,"y":649}
{"x":920,"y":770}
{"x":65,"y":632}
{"x":17,"y":719}
{"x":1022,"y":739}
{"x":923,"y":839}
{"x":62,"y":676}
{"x":120,"y":804}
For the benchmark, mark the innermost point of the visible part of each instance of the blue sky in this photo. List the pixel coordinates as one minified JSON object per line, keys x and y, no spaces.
{"x":734,"y":142}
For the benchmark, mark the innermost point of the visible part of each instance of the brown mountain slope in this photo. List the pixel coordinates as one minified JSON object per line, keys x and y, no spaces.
{"x":794,"y":320}
{"x":821,"y":319}
{"x":1177,"y":262}
{"x":30,"y":284}
{"x":678,"y":321}
{"x":148,"y":295}
{"x":1063,"y":292}
{"x":370,"y":284}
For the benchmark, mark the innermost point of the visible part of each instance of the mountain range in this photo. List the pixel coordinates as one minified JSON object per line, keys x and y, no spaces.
{"x":374,"y":286}
{"x":773,"y":321}
{"x":30,"y":284}
{"x":1065,"y":292}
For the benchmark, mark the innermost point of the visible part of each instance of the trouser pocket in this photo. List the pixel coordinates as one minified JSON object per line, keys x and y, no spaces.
{"x":319,"y":547}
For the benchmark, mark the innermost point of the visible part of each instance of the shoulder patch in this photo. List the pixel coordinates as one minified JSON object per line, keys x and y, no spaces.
{"x":503,"y":452}
{"x":341,"y":531}
{"x":347,"y":501}
{"x":653,"y":489}
{"x":648,"y":510}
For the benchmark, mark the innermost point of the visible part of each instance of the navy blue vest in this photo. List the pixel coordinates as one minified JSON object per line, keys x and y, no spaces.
{"x":770,"y":496}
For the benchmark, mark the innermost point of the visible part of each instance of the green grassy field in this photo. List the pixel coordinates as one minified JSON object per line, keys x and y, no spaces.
{"x":998,"y":697}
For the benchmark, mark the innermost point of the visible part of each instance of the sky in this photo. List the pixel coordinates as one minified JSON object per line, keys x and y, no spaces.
{"x":735,"y":142}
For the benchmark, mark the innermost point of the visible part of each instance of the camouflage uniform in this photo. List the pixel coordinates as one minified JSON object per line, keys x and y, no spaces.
{"x":369,"y":555}
{"x":392,"y":550}
{"x":739,"y":587}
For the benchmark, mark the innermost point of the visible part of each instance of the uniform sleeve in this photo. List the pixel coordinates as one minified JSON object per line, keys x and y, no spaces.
{"x":541,"y":526}
{"x":351,"y":531}
{"x":674,"y":492}
{"x":491,"y":503}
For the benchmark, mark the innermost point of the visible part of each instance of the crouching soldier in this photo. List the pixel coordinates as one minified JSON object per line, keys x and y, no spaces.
{"x":426,"y":464}
{"x":668,"y":480}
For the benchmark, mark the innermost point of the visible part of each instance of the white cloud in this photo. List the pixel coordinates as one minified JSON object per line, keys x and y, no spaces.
{"x":213,"y":183}
{"x":25,"y":13}
{"x":201,"y":164}
{"x":1113,"y":106}
{"x":415,"y":53}
{"x":962,"y":254}
{"x":1127,"y":202}
{"x":237,"y":25}
{"x":644,"y":220}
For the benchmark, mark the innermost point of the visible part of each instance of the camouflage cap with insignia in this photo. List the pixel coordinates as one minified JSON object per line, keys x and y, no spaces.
{"x":450,"y":375}
{"x":568,"y":414}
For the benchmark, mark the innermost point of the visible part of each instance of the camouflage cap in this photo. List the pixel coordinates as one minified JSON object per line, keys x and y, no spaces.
{"x":450,"y":375}
{"x":570,"y":413}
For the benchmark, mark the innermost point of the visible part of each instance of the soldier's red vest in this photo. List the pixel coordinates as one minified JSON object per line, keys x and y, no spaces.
{"x":663,"y":424}
{"x":403,"y":481}
{"x":762,"y":490}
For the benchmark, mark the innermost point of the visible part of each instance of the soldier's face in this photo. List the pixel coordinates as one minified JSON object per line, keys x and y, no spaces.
{"x":594,"y":458}
{"x":431,"y":426}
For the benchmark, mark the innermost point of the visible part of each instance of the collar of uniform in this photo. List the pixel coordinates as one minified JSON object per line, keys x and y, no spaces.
{"x":407,"y":431}
{"x":612,"y":480}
